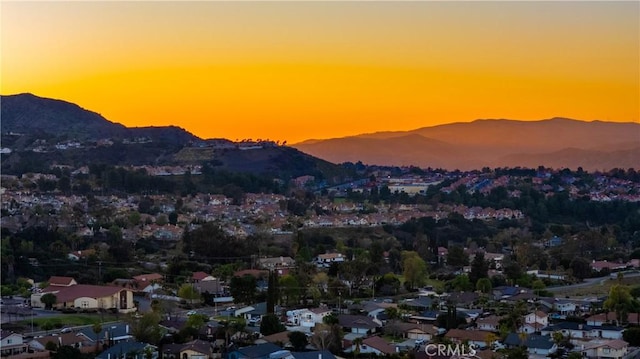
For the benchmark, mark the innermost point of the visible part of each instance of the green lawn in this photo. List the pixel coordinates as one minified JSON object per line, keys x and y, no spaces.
{"x":63,"y":320}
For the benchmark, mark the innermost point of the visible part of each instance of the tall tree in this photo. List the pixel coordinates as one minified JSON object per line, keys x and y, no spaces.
{"x":243,"y":289}
{"x":479,"y":268}
{"x":414,"y":269}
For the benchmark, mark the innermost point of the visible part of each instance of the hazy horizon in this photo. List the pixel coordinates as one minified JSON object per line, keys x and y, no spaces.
{"x":296,"y":71}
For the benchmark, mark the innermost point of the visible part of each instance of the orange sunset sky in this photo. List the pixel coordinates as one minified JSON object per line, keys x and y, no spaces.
{"x":299,"y":70}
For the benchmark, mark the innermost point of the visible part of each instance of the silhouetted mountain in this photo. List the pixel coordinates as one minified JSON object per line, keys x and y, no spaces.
{"x":558,"y":142}
{"x":38,"y":131}
{"x":32,"y":115}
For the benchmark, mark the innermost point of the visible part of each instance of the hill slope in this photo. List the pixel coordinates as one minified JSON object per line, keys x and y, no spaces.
{"x":556,"y":142}
{"x":32,"y":126}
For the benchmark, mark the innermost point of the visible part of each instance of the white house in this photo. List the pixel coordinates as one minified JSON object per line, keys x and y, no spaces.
{"x":11,"y":343}
{"x":614,"y":349}
{"x":537,"y":320}
{"x":489,"y":324}
{"x":325,"y":260}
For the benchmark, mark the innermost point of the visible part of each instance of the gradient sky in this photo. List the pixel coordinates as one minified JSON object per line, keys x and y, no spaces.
{"x":300,"y":70}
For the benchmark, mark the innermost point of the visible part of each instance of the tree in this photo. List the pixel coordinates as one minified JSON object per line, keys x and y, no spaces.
{"x":620,"y":301}
{"x":298,"y":340}
{"x":462,"y":283}
{"x":146,"y":329}
{"x":271,"y":324}
{"x":327,"y":336}
{"x":484,"y":285}
{"x":290,"y":288}
{"x":243,"y":289}
{"x":479,"y":268}
{"x":97,"y":329}
{"x":67,"y":352}
{"x":538,"y":286}
{"x":581,"y":268}
{"x":272,"y":292}
{"x":48,"y":300}
{"x":414,"y":269}
{"x":188,"y":292}
{"x":456,"y":257}
{"x":173,"y":218}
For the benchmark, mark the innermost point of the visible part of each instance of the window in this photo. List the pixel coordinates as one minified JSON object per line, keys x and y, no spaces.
{"x":606,"y":350}
{"x":8,"y":341}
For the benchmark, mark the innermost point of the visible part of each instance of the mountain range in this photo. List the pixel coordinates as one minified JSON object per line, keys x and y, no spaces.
{"x":555,"y":143}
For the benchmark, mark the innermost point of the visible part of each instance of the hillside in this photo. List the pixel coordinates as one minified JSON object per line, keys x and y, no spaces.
{"x":556,"y":143}
{"x":38,"y":131}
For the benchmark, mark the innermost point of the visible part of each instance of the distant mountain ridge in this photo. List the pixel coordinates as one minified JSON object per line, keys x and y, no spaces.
{"x":556,"y":143}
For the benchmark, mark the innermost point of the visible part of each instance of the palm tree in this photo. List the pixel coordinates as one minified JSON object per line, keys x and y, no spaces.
{"x":357,"y":342}
{"x":97,"y":328}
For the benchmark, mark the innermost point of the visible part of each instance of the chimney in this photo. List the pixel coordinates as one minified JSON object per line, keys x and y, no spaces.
{"x":319,"y":355}
{"x":127,"y":329}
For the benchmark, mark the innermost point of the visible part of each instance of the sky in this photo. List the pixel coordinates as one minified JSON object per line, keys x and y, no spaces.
{"x":297,"y":70}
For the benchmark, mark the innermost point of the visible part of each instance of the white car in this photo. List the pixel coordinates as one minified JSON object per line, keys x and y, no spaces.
{"x":192,"y":312}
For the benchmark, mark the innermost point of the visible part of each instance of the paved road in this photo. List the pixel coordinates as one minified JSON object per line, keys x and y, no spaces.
{"x":589,"y":282}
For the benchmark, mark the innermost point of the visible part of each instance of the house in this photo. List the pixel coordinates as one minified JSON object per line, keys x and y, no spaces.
{"x":595,"y":349}
{"x":611,"y":318}
{"x":606,"y":332}
{"x":358,"y":324}
{"x":281,"y":265}
{"x":255,"y":311}
{"x":76,"y":340}
{"x":306,"y":317}
{"x":537,"y":319}
{"x":78,"y":255}
{"x":428,"y":316}
{"x":540,"y":345}
{"x":415,"y":331}
{"x":505,"y":292}
{"x":373,"y":345}
{"x":568,"y":329}
{"x":56,"y":281}
{"x":565,"y":307}
{"x":599,"y":266}
{"x":260,"y":351}
{"x":129,"y":350}
{"x":420,"y":303}
{"x":82,"y":296}
{"x":11,"y":343}
{"x":325,"y":260}
{"x":554,"y":241}
{"x":477,"y":338}
{"x":489,"y":324}
{"x":110,"y":334}
{"x":198,"y":277}
{"x":196,"y":349}
{"x":281,"y":338}
{"x":316,"y":354}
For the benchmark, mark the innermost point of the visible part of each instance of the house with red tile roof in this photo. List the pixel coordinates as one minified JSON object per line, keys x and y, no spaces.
{"x":62,"y":281}
{"x":201,"y":277}
{"x":86,"y":297}
{"x":373,"y":345}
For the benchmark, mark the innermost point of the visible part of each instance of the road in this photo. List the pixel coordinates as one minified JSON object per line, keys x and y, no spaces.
{"x":589,"y":282}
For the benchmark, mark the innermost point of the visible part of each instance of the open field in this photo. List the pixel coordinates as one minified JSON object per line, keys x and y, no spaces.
{"x":599,"y":288}
{"x":63,"y":320}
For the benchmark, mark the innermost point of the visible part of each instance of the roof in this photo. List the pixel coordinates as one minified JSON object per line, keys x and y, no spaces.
{"x":611,"y":316}
{"x":259,"y":351}
{"x":122,"y":348}
{"x":566,"y":326}
{"x":68,"y":294}
{"x":616,"y":344}
{"x":490,"y":320}
{"x":539,"y":341}
{"x":357,"y":321}
{"x":199,"y":346}
{"x":317,"y":354}
{"x":513,"y":339}
{"x":115,"y":330}
{"x":200,"y":275}
{"x":148,"y":277}
{"x":60,"y":281}
{"x":282,"y":337}
{"x":63,"y":339}
{"x":474,"y":335}
{"x":380,"y":344}
{"x":6,"y":334}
